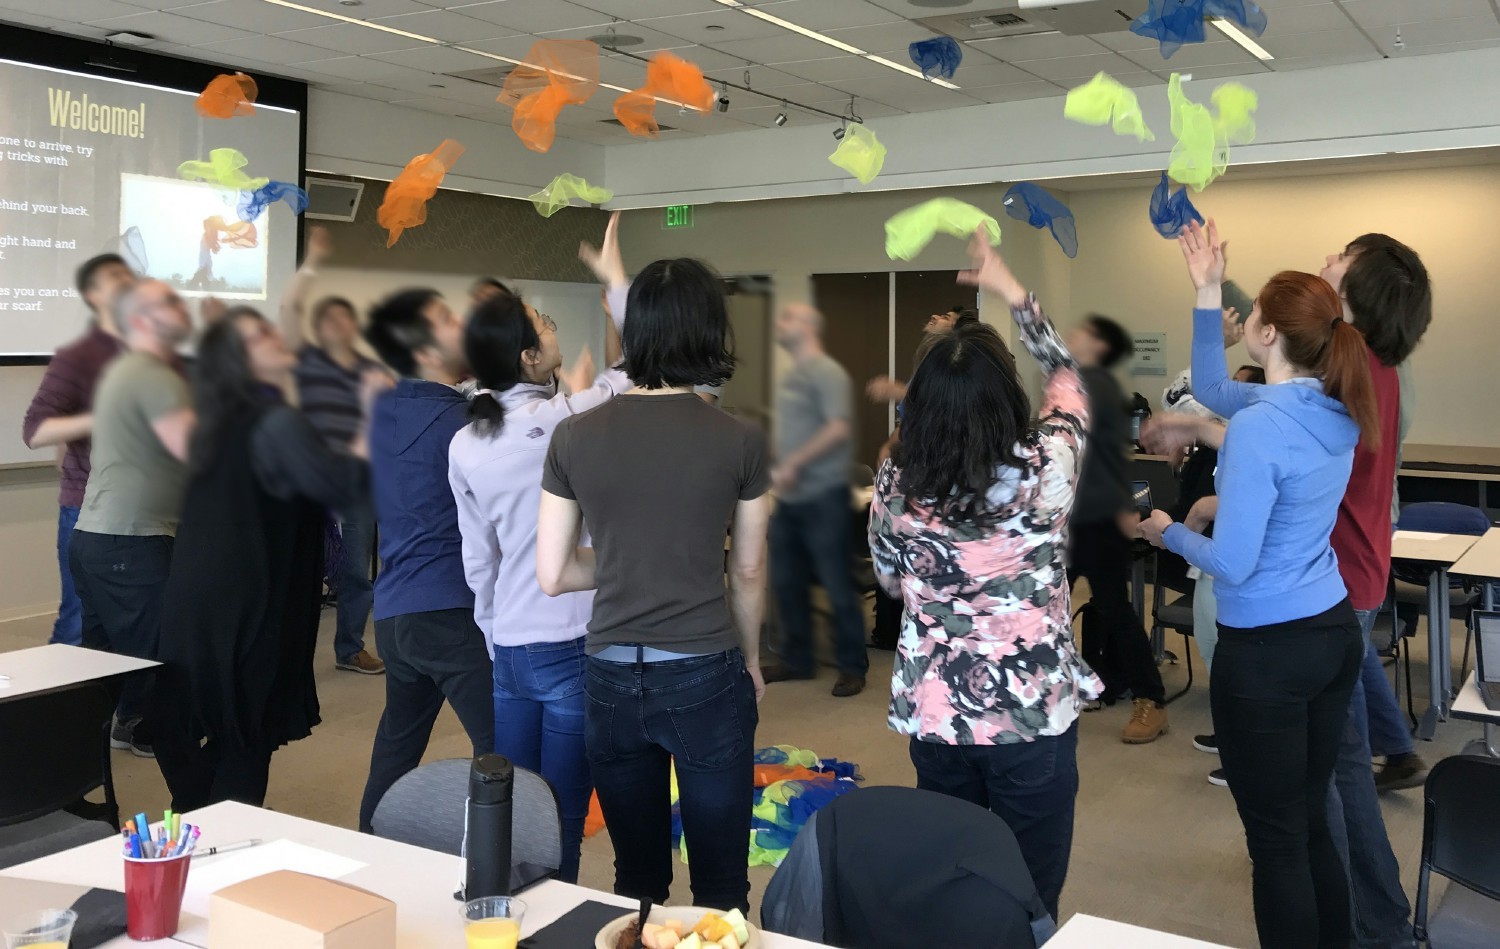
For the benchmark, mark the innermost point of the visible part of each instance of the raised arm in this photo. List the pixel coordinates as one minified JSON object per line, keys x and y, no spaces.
{"x":294,"y":299}
{"x":609,"y":267}
{"x":1206,"y":259}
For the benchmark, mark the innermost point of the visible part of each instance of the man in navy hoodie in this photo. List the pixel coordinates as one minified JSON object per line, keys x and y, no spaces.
{"x":424,"y":609}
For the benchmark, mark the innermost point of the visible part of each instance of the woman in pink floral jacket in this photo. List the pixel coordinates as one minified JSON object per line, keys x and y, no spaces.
{"x":969,"y":527}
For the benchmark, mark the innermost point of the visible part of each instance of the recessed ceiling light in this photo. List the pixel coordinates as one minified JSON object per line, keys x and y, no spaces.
{"x":351,"y":3}
{"x":436,"y":85}
{"x":715,"y":27}
{"x":613,"y":40}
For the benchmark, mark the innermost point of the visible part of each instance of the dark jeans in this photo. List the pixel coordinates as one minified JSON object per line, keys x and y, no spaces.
{"x":1382,"y":915}
{"x":888,"y":613}
{"x":428,"y":657}
{"x":1280,"y":699}
{"x":68,"y":629}
{"x":1031,"y":785}
{"x":539,"y":709}
{"x":1390,"y":733}
{"x":1100,"y":553}
{"x":121,"y":581}
{"x":810,"y":542}
{"x":700,"y":714}
{"x":356,"y":592}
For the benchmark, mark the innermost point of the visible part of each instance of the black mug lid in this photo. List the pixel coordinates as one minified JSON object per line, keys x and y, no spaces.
{"x":491,"y":779}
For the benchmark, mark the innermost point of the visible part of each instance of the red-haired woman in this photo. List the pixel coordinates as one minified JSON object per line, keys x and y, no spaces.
{"x":1289,"y":643}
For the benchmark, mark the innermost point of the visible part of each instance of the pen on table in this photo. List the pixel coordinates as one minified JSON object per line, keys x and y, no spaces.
{"x":185,"y":841}
{"x":242,"y":845}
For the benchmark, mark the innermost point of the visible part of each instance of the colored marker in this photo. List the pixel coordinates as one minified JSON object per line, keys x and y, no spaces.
{"x":142,"y":826}
{"x":135,"y":845}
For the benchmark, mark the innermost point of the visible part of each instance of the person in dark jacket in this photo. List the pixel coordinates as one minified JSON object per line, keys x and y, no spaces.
{"x":1098,"y":545}
{"x":424,"y":610}
{"x":240,"y":616}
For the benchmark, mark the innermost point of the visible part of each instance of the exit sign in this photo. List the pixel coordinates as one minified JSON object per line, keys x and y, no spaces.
{"x":678,"y":215}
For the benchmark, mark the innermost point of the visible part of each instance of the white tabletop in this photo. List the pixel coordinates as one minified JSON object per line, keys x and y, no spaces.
{"x":1091,"y":932}
{"x":46,"y":668}
{"x":1482,"y":559}
{"x":420,"y":882}
{"x":1469,"y":704}
{"x":1430,"y":547}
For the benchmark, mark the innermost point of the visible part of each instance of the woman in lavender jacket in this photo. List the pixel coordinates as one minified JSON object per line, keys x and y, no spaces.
{"x":495,"y":469}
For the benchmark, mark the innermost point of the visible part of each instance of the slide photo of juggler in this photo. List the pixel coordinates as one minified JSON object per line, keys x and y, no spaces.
{"x":192,"y":236}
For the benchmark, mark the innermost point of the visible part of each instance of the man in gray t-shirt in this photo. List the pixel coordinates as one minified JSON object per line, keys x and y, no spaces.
{"x":810,"y":530}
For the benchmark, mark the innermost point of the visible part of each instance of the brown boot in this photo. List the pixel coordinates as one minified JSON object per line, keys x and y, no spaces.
{"x":1148,"y":722}
{"x":363,"y":663}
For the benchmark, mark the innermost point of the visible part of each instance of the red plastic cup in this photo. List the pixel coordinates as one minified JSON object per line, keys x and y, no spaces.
{"x":153,"y":896}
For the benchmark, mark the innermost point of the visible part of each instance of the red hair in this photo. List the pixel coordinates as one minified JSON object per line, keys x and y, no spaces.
{"x":1309,"y":315}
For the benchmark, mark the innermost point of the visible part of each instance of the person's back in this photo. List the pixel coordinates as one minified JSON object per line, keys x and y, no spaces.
{"x":812,"y":391}
{"x":657,"y":478}
{"x":1103,"y":489}
{"x":135,"y":485}
{"x":420,"y":549}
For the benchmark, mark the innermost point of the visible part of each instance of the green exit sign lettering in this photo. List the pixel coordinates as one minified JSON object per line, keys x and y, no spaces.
{"x":678,"y":215}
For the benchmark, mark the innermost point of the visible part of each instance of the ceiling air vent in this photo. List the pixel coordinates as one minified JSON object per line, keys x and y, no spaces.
{"x":995,"y":22}
{"x":618,"y":124}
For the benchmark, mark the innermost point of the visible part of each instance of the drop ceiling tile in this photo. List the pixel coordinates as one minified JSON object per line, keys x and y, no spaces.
{"x":1205,"y":73}
{"x":75,"y":11}
{"x":1444,"y":32}
{"x":903,"y":92}
{"x":516,"y":47}
{"x":761,"y":77}
{"x":170,"y":28}
{"x":1449,"y":47}
{"x":1318,"y":62}
{"x":1135,"y":79}
{"x":720,"y":25}
{"x":360,"y":69}
{"x":369,"y":9}
{"x":1326,"y":43}
{"x":707,"y":58}
{"x":1020,"y":49}
{"x":364,"y":90}
{"x":351,"y":39}
{"x":435,"y":59}
{"x":883,"y":36}
{"x":266,"y":49}
{"x":788,"y":48}
{"x":535,"y":16}
{"x":1016,"y":91}
{"x":635,"y":9}
{"x":446,"y":26}
{"x":254,"y":16}
{"x":1193,"y":55}
{"x":443,"y":106}
{"x":1380,"y":14}
{"x":1310,"y":18}
{"x":476,"y":95}
{"x":651,"y":40}
{"x":1124,"y":39}
{"x":839,"y":67}
{"x":39,"y":22}
{"x":976,"y":70}
{"x":831,"y":14}
{"x":1071,"y":68}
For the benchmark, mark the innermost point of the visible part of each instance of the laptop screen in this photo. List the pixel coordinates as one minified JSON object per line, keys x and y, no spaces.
{"x":1141,"y":494}
{"x":1489,"y":646}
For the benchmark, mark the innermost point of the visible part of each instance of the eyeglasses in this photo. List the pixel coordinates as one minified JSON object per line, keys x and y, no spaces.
{"x":547,"y":321}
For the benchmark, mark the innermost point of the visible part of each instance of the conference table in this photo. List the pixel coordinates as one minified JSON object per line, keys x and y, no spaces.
{"x":1093,"y":932}
{"x":420,"y":882}
{"x":1469,"y":706}
{"x":42,"y":669}
{"x":1439,"y":553}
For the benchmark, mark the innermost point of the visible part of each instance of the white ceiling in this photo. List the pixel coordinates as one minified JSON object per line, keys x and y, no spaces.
{"x":728,"y":44}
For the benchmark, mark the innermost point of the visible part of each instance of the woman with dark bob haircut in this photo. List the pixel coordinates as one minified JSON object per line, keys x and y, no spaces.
{"x":656,"y":476}
{"x":969,"y":527}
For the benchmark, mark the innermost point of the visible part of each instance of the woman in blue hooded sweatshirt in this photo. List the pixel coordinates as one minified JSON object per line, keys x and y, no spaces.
{"x":1289,"y":644}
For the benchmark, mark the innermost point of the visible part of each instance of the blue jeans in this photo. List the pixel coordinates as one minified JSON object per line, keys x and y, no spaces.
{"x":539,"y":726}
{"x":68,"y":630}
{"x":1382,"y":915}
{"x":1031,"y":785}
{"x":810,"y":542}
{"x":356,"y":592}
{"x":1206,"y":620}
{"x":1390,"y":734}
{"x":700,"y":714}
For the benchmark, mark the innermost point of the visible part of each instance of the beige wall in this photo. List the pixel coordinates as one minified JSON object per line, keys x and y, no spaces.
{"x":1448,"y":215}
{"x":28,"y":535}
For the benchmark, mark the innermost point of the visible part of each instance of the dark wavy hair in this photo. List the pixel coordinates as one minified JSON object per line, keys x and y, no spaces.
{"x":499,"y":332}
{"x":965,"y":411}
{"x":1389,"y":294}
{"x":1117,"y":343}
{"x":224,"y":385}
{"x":398,"y":329}
{"x":678,"y":331}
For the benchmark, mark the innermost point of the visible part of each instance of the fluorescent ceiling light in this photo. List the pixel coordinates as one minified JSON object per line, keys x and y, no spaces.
{"x":1238,"y":35}
{"x":830,"y":41}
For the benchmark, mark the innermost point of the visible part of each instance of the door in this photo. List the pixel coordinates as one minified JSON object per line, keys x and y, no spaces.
{"x":856,"y":333}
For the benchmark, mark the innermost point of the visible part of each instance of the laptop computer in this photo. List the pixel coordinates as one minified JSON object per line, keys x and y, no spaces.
{"x":1487,"y":657}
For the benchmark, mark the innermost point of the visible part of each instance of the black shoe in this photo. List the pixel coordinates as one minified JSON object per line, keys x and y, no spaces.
{"x":777,"y":672}
{"x":1216,"y":778}
{"x":1409,"y":771}
{"x":880,"y":642}
{"x":848,"y":685}
{"x":1206,"y":743}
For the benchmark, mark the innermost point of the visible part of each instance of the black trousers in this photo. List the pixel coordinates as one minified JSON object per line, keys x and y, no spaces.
{"x":121,"y":581}
{"x":200,"y":775}
{"x":1280,"y":699}
{"x":1100,"y":553}
{"x":429,"y":657}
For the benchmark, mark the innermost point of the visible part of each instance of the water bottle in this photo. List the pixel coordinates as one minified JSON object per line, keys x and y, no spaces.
{"x":487,"y":827}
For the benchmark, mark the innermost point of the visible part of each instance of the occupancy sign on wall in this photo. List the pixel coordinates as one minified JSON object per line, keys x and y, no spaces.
{"x":1150,"y":358}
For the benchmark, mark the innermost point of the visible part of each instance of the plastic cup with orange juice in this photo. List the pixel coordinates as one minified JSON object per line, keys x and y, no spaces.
{"x":47,"y":929}
{"x":493,"y":922}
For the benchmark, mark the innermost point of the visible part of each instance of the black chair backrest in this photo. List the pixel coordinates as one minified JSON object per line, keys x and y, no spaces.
{"x":1460,"y":832}
{"x":55,"y":750}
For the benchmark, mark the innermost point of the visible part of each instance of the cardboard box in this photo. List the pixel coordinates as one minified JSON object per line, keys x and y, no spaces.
{"x":290,"y":910}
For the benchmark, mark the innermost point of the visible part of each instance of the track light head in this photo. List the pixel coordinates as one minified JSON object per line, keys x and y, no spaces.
{"x":838,"y":133}
{"x":780,"y":119}
{"x":723,"y":102}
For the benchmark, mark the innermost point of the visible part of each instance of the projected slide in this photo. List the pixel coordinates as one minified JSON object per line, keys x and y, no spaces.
{"x":89,"y":165}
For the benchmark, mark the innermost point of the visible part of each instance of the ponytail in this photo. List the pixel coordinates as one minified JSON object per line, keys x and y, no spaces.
{"x":488,"y":414}
{"x":1346,"y":377}
{"x":1309,"y":315}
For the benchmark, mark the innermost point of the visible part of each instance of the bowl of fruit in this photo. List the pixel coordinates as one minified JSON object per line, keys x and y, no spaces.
{"x":681,"y":927}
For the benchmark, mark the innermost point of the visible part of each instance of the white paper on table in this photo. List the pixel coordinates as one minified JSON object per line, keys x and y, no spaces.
{"x":1418,"y":535}
{"x":210,"y":874}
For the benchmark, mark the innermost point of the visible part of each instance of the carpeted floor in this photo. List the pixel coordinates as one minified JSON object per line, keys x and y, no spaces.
{"x":1155,"y":844}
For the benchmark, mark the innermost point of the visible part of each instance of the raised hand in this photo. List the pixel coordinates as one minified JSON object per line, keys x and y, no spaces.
{"x":319,"y":245}
{"x":1167,"y":434}
{"x":885,"y":389}
{"x":990,"y":272}
{"x":1234,"y":327}
{"x":1205,"y":254}
{"x":605,"y":261}
{"x":581,"y":375}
